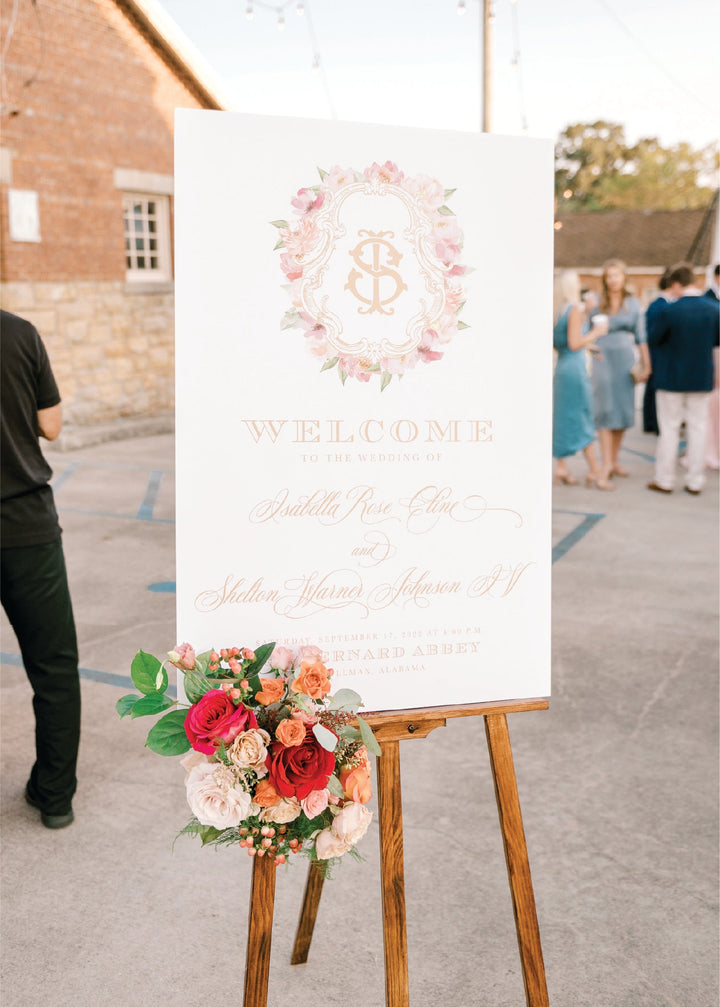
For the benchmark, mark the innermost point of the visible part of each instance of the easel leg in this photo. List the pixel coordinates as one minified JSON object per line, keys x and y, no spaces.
{"x":308,"y":915}
{"x":262,"y":904}
{"x":393,"y":876}
{"x":528,"y":933}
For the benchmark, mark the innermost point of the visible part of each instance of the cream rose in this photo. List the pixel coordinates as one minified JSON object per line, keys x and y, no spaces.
{"x":327,"y":845}
{"x":192,"y":759}
{"x":352,"y":823}
{"x":286,"y":810}
{"x":249,"y":750}
{"x":214,"y":797}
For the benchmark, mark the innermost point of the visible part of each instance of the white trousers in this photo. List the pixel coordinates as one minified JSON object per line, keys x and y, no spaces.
{"x":672,"y":409}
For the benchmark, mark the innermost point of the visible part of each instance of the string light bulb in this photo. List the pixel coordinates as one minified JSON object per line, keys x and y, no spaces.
{"x":280,"y":20}
{"x":461,"y":8}
{"x":300,"y":9}
{"x":249,"y":13}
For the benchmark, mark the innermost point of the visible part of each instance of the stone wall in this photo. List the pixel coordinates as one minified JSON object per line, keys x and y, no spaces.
{"x":111,"y":348}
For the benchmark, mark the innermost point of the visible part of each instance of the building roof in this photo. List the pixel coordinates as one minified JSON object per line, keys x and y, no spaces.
{"x":652,"y":238}
{"x":156,"y":25}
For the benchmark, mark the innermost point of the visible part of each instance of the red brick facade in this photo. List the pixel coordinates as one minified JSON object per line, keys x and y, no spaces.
{"x":90,"y":88}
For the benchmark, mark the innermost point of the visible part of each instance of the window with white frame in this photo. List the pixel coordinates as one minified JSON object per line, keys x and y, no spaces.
{"x":147,"y":236}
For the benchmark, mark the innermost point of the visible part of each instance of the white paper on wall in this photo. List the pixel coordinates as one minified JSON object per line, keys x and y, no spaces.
{"x":364,"y":401}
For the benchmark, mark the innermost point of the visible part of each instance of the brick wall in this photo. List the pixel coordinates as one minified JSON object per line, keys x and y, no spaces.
{"x":86,"y":93}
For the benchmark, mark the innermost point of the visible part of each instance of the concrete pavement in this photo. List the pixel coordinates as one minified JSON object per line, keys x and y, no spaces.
{"x":618,"y":783}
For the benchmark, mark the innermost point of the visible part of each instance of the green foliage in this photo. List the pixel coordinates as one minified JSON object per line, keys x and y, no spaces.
{"x":368,"y":737}
{"x":600,"y":170}
{"x":125,"y":704}
{"x":148,"y":706}
{"x":168,"y":736}
{"x":148,"y":674}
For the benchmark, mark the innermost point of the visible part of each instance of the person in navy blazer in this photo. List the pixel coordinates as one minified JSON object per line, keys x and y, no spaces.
{"x":714,"y":289}
{"x":685,"y":333}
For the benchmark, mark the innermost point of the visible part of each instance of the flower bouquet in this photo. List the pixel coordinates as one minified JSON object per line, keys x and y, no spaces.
{"x":275,"y":763}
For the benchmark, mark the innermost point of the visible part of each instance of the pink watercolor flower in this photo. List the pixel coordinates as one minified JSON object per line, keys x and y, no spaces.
{"x":427,"y":191}
{"x":388,"y":173}
{"x":337,"y":177}
{"x":307,"y":201}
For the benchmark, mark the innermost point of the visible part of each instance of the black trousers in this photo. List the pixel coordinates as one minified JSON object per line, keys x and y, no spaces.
{"x":35,"y":595}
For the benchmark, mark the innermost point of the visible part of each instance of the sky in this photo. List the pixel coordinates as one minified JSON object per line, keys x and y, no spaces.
{"x":651,"y":65}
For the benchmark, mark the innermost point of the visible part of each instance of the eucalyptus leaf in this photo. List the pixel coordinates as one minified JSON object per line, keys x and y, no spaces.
{"x":326,"y":738}
{"x":168,"y":736}
{"x":125,"y":704}
{"x":329,"y":364}
{"x":351,"y":733}
{"x":369,"y":739}
{"x":148,"y":674}
{"x":335,"y":787}
{"x":345,"y":698}
{"x":148,"y":706}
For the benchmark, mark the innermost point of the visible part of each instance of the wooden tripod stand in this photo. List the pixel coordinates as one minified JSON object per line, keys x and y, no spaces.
{"x":390,"y":729}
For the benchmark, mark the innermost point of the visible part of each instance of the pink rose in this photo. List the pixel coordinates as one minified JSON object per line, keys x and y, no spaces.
{"x":183,"y":656}
{"x":315,"y":803}
{"x":309,"y":652}
{"x":281,"y":659}
{"x":388,"y":172}
{"x":215,"y":719}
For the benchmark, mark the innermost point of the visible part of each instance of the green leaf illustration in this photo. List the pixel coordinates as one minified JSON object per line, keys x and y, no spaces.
{"x":291,"y":318}
{"x":329,"y":364}
{"x":278,"y":244}
{"x":385,"y":380}
{"x":343,"y":375}
{"x":279,"y":223}
{"x":148,"y":674}
{"x":463,"y":325}
{"x":322,"y":174}
{"x":368,"y":737}
{"x":446,"y":211}
{"x":125,"y":704}
{"x":168,"y":736}
{"x":449,"y":192}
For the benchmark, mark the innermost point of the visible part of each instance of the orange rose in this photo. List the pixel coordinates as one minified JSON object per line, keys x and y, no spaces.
{"x":273,"y":689}
{"x":265,"y":794}
{"x":290,"y":732}
{"x":312,"y":680}
{"x":355,"y":781}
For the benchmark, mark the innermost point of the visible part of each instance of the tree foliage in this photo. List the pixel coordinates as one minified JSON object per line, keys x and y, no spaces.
{"x":597,"y":169}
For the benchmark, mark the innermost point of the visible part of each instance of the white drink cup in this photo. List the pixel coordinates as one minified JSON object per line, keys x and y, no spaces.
{"x":600,"y":321}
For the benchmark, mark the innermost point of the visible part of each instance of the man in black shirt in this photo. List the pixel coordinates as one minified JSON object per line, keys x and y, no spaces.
{"x":33,"y":580}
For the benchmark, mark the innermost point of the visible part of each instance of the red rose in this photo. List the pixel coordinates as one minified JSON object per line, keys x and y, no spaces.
{"x":296,"y":771}
{"x":214,"y":719}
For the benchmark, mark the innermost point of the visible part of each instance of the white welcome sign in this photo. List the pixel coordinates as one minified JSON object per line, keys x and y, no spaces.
{"x":363,"y":401}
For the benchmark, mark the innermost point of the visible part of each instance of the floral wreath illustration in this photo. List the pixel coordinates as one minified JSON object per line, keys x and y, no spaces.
{"x":273,"y":761}
{"x":307,"y":245}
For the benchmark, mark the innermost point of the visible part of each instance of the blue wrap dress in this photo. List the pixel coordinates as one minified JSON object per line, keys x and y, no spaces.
{"x":572,"y":408}
{"x":612,"y":384}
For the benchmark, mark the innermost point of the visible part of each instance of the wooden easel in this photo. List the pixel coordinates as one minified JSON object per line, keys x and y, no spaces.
{"x":390,"y":729}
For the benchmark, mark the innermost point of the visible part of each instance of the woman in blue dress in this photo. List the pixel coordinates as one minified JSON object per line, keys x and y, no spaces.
{"x":622,"y":325}
{"x":573,"y":429}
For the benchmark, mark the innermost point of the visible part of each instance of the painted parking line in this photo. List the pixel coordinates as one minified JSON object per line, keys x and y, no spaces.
{"x":114,"y":515}
{"x":586,"y":525}
{"x":145,"y":511}
{"x":90,"y":674}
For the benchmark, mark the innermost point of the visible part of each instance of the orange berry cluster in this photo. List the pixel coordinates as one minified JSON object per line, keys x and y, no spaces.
{"x":270,"y":842}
